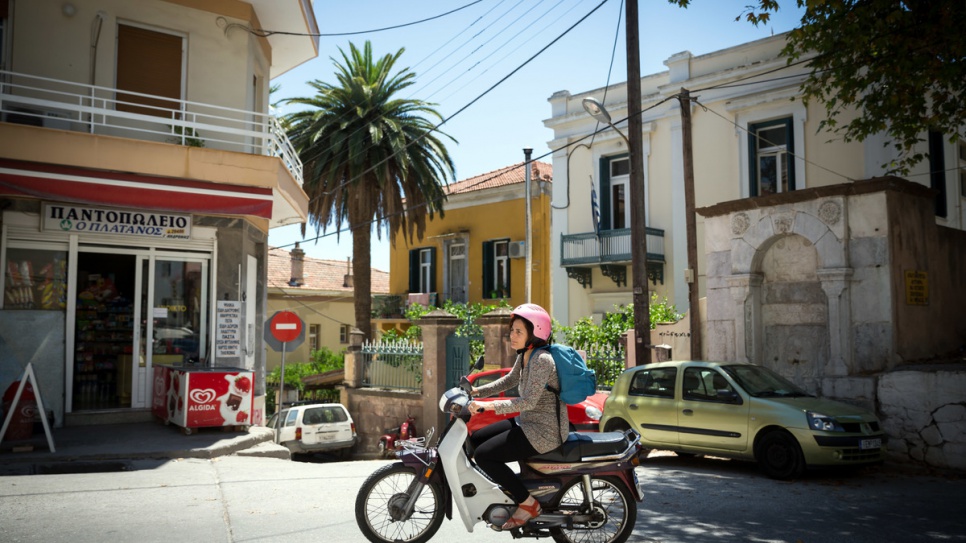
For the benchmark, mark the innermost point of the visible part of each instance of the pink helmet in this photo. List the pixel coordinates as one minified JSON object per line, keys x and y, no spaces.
{"x":537,"y":316}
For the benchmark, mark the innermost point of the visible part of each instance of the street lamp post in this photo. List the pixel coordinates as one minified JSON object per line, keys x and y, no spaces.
{"x":639,"y":293}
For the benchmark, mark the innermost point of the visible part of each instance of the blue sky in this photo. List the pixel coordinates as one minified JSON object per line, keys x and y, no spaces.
{"x":458,"y":57}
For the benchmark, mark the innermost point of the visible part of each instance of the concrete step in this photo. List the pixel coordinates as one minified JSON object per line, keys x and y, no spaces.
{"x":266,"y":449}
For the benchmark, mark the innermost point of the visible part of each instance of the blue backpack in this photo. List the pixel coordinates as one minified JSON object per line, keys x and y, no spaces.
{"x":577,"y":381}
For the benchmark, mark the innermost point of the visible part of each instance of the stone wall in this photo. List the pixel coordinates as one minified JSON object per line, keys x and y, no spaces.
{"x":924,"y":413}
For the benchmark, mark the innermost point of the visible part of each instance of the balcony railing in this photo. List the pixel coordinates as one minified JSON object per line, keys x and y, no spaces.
{"x":611,"y":247}
{"x":54,"y":103}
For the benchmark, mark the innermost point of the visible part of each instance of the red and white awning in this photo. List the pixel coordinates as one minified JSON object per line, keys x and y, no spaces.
{"x":79,"y":185}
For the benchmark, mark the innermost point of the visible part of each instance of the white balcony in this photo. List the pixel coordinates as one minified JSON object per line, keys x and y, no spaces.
{"x":66,"y":105}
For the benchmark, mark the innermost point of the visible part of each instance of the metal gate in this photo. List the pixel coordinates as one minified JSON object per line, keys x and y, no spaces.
{"x":458,"y":357}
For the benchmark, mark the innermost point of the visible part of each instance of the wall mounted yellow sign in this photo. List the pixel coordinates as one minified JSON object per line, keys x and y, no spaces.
{"x":917,"y":287}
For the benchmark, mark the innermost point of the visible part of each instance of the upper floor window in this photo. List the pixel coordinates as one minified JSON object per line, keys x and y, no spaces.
{"x":496,"y":269}
{"x":615,"y":194}
{"x":422,"y":270}
{"x":314,"y":337}
{"x":344,"y":333}
{"x":770,"y":152}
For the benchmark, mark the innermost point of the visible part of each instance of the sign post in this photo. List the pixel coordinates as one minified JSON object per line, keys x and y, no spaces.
{"x":284,"y":329}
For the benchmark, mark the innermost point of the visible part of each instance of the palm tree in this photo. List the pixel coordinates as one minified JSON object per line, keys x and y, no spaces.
{"x":370,"y":159}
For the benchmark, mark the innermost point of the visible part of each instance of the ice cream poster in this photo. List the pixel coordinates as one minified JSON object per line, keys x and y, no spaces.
{"x":218,"y":399}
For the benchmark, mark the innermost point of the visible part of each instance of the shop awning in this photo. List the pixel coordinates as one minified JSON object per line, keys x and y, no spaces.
{"x":78,"y":185}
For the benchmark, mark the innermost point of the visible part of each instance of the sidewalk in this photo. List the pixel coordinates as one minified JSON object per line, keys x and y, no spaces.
{"x":140,"y":440}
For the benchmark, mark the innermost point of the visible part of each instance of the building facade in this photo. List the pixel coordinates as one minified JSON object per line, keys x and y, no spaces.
{"x":752,"y":136}
{"x":478,"y":252}
{"x":140,"y":173}
{"x":321,"y":293}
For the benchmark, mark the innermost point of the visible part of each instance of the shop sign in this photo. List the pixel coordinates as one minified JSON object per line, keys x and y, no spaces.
{"x":111,"y":221}
{"x":228,"y":326}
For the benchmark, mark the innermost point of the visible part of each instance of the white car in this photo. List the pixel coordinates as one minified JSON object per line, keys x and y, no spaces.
{"x":316,"y":427}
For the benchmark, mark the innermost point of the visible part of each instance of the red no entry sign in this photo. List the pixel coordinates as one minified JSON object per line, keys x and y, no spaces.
{"x":285,"y":326}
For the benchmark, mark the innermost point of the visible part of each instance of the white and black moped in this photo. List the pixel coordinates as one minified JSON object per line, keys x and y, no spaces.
{"x":587,"y":487}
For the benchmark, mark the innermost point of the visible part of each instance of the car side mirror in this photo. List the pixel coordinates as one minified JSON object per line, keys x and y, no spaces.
{"x":728,"y":396}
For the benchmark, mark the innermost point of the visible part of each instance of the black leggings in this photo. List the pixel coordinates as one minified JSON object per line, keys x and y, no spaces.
{"x":497,"y":444}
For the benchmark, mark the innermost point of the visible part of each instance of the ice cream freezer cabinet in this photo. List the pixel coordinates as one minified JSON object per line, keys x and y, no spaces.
{"x":203,"y":397}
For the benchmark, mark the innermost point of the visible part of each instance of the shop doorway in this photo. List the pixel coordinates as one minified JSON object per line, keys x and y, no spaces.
{"x":133,"y":311}
{"x":104,"y":330}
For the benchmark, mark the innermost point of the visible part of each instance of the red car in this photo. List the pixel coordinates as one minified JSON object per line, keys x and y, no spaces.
{"x":584,"y":417}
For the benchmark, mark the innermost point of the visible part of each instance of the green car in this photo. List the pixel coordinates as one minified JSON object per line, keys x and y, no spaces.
{"x":741,"y":411}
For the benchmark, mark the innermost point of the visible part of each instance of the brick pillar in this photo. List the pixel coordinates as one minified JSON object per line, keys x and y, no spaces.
{"x":437,"y":325}
{"x":497,"y":351}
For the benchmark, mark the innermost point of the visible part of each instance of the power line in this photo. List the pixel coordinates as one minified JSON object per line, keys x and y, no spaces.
{"x":262,"y":33}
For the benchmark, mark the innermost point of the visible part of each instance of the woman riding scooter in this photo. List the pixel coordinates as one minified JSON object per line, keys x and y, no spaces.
{"x":538,"y":429}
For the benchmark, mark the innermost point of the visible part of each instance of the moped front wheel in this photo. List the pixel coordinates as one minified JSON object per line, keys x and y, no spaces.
{"x":611,"y":509}
{"x":379,"y":507}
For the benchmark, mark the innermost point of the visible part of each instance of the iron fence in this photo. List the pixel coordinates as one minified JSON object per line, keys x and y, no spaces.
{"x":393,"y":365}
{"x":607,"y":363}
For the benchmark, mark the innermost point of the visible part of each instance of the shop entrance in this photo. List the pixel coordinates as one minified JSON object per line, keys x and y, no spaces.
{"x":134,"y":310}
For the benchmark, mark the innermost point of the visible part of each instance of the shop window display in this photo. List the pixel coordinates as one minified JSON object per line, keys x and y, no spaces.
{"x":35,"y":279}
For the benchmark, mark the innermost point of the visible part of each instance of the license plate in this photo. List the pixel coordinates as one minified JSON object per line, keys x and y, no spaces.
{"x":870,"y":444}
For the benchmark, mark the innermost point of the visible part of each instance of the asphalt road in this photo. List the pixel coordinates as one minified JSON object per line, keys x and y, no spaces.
{"x":241,"y":499}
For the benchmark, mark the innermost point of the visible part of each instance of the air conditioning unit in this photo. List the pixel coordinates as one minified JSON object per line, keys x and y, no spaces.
{"x":518,"y":249}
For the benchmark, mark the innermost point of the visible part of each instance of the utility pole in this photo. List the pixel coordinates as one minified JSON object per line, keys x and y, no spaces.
{"x":640,"y":295}
{"x":692,"y":237}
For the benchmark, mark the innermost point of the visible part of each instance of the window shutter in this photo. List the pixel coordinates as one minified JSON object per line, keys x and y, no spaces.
{"x":150,"y":63}
{"x":605,"y":193}
{"x":790,"y":153}
{"x":488,"y":279}
{"x":432,"y":270}
{"x":937,"y":171}
{"x":414,"y":270}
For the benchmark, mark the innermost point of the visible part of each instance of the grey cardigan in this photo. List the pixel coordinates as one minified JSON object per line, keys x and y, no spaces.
{"x":537,"y":405}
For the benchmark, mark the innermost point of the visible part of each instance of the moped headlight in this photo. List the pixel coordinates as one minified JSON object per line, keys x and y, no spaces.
{"x":824,"y":423}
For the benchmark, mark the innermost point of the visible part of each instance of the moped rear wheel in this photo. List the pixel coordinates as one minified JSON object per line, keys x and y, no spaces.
{"x":379,"y":503}
{"x":613,"y":509}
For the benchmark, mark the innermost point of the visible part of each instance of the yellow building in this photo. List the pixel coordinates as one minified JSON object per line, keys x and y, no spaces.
{"x":320,"y":292}
{"x":478,"y":252}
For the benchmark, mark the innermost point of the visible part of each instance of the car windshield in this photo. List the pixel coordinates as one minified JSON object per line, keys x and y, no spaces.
{"x":763,"y":382}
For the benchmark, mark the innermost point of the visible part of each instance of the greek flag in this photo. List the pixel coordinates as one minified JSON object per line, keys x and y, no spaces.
{"x":594,"y":209}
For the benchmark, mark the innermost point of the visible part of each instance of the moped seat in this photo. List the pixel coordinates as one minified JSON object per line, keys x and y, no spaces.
{"x":580,"y":445}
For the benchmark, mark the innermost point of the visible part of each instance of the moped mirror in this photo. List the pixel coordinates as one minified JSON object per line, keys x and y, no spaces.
{"x":478,"y":365}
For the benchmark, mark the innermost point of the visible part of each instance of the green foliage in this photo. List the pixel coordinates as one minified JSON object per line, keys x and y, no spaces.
{"x":586,"y":335}
{"x":191,"y":137}
{"x":323,"y":360}
{"x":881,"y":66}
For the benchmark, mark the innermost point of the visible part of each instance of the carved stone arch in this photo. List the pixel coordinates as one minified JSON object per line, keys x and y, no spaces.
{"x":750,"y":245}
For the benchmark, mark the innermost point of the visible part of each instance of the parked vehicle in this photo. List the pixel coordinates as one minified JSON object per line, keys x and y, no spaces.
{"x":742,"y":411}
{"x":584,"y":416}
{"x":391,"y":440}
{"x":587,"y":488}
{"x":314,"y":427}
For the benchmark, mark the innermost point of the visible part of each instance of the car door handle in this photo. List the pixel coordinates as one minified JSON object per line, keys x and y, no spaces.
{"x":688,"y":412}
{"x":632,"y":406}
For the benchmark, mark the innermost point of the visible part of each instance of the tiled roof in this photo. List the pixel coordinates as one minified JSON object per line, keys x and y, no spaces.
{"x":540,"y":171}
{"x":326,"y":275}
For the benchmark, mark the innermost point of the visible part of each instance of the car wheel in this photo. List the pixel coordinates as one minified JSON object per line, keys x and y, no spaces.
{"x":779,"y":455}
